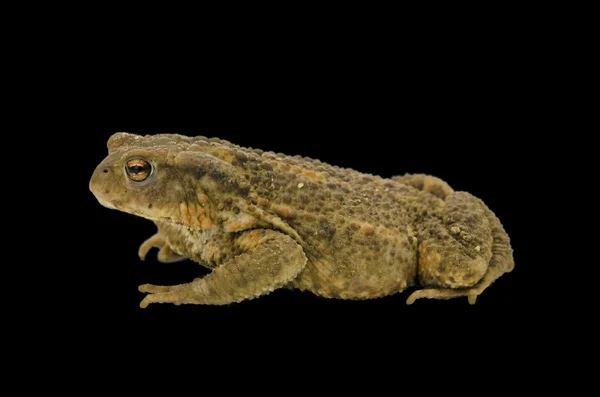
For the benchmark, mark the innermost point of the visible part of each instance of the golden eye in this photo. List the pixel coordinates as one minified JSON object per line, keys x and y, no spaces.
{"x":138,"y":170}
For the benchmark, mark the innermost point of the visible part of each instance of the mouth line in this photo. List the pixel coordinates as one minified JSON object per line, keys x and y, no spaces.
{"x":111,"y":206}
{"x":106,"y":204}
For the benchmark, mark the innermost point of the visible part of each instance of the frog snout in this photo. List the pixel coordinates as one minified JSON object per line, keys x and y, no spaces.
{"x":100,"y":184}
{"x":99,"y":177}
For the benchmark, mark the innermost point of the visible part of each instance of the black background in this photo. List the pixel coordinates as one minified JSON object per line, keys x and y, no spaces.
{"x":479,"y":115}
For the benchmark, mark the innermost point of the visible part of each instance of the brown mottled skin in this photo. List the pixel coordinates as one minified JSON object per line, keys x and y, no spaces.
{"x":263,"y":221}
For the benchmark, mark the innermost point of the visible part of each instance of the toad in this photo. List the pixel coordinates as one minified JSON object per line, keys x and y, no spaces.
{"x":262,"y":221}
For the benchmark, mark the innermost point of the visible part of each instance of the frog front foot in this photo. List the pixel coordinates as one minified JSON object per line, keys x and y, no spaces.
{"x":165,"y":253}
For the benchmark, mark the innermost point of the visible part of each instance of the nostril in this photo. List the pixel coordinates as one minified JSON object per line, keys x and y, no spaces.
{"x":105,"y":170}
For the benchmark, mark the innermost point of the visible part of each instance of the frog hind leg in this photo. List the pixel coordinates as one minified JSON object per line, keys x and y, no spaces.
{"x":464,"y":253}
{"x":426,"y":183}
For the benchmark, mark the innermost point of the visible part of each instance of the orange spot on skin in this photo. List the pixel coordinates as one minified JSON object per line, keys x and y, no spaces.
{"x":367,"y":229}
{"x":185,"y":214}
{"x":206,"y":223}
{"x":239,"y":223}
{"x":263,"y":202}
{"x":313,"y":176}
{"x":224,"y":154}
{"x":308,"y":174}
{"x":285,"y":212}
{"x":232,"y":226}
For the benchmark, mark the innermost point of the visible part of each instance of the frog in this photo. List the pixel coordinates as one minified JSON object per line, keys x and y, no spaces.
{"x":262,"y":221}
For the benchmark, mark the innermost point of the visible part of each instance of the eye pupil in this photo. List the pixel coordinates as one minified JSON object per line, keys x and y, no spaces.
{"x":138,"y":170}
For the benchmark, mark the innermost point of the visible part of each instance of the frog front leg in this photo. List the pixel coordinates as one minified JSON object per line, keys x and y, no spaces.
{"x":268,"y":261}
{"x":165,"y":253}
